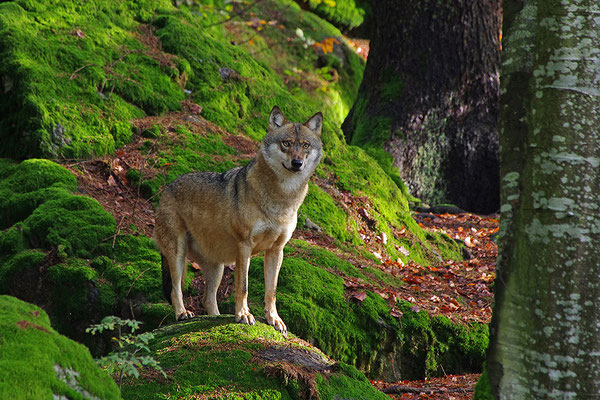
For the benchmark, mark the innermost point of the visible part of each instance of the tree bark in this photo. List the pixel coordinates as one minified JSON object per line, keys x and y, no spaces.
{"x":545,"y":340}
{"x":429,"y":97}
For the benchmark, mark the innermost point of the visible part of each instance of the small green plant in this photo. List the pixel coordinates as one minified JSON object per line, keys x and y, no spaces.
{"x":129,"y":356}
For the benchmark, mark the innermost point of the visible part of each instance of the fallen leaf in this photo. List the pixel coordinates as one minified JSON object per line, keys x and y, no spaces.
{"x":363,"y":212}
{"x":469,"y":242}
{"x":79,"y":33}
{"x":360,"y":296}
{"x":195,"y":108}
{"x":196,"y":266}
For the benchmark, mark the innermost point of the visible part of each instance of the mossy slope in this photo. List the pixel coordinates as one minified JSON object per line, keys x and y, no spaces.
{"x":39,"y":363}
{"x":153,"y":56}
{"x":210,"y":357}
{"x":74,"y":74}
{"x":312,"y":301}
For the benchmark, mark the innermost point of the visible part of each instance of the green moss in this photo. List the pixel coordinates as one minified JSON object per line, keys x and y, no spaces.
{"x":52,"y":233}
{"x":74,"y":92}
{"x":25,"y":186}
{"x":212,"y":356}
{"x":38,"y":194}
{"x":360,"y":174}
{"x":371,"y":133}
{"x":351,"y":382}
{"x":17,"y":266}
{"x":346,"y":14}
{"x":311,"y":301}
{"x":330,"y":261}
{"x":75,"y":297}
{"x":76,"y":222}
{"x":133,"y":267}
{"x":321,"y":209}
{"x":31,"y":353}
{"x":483,"y":390}
{"x":209,"y":354}
{"x":439,"y":345}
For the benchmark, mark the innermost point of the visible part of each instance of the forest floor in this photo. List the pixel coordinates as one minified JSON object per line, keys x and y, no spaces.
{"x":459,"y":290}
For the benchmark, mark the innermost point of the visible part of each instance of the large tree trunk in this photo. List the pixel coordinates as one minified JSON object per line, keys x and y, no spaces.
{"x":545,"y":332}
{"x":429,"y":97}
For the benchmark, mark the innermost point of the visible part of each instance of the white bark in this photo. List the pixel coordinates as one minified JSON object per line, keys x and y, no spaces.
{"x":546,"y":329}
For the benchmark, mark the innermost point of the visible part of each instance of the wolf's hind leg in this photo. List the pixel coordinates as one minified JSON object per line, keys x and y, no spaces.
{"x":212,"y":278}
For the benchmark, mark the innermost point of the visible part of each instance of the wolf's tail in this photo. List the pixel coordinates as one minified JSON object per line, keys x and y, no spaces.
{"x":166,"y":278}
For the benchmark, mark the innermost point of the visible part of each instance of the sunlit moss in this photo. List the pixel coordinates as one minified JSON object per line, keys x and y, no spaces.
{"x":32,"y":352}
{"x":213,"y":354}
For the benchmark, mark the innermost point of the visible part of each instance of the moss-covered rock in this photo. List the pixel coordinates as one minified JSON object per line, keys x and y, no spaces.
{"x":212,"y":357}
{"x":39,"y":363}
{"x":39,"y":210}
{"x":60,"y":251}
{"x":74,"y":92}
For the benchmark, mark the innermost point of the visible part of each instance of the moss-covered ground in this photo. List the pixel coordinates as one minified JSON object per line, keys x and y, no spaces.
{"x":313,"y":301}
{"x":39,"y":363}
{"x":483,"y":391}
{"x":212,"y":357}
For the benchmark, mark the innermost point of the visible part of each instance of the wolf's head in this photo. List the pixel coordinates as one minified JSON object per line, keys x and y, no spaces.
{"x":291,"y":147}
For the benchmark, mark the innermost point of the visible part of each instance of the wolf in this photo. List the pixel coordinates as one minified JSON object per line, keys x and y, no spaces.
{"x":223,"y":218}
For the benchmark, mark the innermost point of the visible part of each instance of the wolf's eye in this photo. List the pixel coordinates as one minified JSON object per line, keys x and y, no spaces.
{"x":286,"y":143}
{"x":306,"y":145}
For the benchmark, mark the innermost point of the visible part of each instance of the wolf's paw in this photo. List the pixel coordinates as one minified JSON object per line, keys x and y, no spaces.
{"x":185,"y":315}
{"x":245,"y":317}
{"x":276,"y":322}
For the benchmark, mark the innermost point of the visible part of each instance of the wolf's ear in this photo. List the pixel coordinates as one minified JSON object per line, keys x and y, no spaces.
{"x":315,"y":123}
{"x":276,"y":118}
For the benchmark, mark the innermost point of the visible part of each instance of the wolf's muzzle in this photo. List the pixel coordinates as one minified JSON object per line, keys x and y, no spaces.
{"x":296,"y":164}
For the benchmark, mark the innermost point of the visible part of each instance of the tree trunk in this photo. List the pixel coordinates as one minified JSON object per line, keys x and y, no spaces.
{"x":429,"y":98}
{"x":545,"y":340}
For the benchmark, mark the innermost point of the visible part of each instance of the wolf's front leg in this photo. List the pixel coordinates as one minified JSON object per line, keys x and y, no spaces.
{"x":242,"y":312}
{"x":273,"y":259}
{"x":177,"y":278}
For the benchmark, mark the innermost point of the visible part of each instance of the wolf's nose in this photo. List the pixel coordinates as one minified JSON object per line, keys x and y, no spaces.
{"x":296,"y":164}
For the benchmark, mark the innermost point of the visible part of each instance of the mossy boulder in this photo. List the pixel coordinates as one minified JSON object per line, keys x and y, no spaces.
{"x":60,"y":251}
{"x":39,"y":363}
{"x":213,"y":357}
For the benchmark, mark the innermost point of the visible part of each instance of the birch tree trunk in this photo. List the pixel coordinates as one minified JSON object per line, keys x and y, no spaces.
{"x":545,"y":332}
